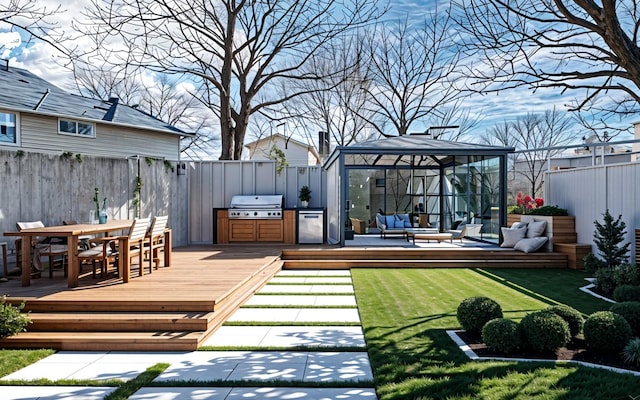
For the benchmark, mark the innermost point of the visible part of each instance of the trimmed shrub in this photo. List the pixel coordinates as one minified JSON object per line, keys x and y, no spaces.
{"x":544,"y":331}
{"x":12,"y":321}
{"x":626,"y":274}
{"x":631,"y":352}
{"x":502,"y":335}
{"x":626,"y":293}
{"x":572,"y":316}
{"x":592,"y":263}
{"x":474,"y":312}
{"x":606,"y":331}
{"x":604,"y":281}
{"x":549,"y":210}
{"x":630,"y":311}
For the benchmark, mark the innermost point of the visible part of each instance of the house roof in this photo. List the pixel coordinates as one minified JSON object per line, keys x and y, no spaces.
{"x":26,"y":92}
{"x":271,"y":138}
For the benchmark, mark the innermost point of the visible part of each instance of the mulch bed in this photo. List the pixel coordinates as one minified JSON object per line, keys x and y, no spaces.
{"x":576,"y":351}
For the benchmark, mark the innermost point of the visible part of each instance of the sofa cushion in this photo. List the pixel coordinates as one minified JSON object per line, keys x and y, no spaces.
{"x":530,"y":245}
{"x":536,"y":228}
{"x":390,"y":221}
{"x":519,"y":225}
{"x":512,"y":236}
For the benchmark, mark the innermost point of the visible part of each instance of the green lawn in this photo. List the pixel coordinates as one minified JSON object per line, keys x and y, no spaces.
{"x":405,"y":314}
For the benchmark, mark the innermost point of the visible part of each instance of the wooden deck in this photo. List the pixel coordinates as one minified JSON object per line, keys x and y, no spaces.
{"x":178,"y":308}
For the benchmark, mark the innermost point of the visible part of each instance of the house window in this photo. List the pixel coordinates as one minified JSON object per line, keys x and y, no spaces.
{"x":8,"y":128}
{"x":69,"y":127}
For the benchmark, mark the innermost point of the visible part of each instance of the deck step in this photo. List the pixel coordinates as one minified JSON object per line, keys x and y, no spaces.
{"x":119,"y":322}
{"x":105,"y":341}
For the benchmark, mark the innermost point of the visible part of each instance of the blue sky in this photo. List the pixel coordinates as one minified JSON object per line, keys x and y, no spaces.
{"x":42,"y":60}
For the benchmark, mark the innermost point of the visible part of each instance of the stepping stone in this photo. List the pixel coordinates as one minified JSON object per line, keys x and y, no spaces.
{"x":319,"y":272}
{"x":287,"y":336}
{"x":213,"y":393}
{"x":311,"y":280}
{"x":270,"y":366}
{"x":285,"y":315}
{"x":307,"y":289}
{"x":301,"y":300}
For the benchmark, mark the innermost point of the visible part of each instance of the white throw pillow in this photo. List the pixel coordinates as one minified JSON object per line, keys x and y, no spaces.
{"x":512,"y":236}
{"x":530,"y":245}
{"x":536,"y":228}
{"x":519,"y":225}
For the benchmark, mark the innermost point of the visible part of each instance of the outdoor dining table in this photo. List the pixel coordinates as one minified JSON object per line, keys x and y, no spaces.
{"x":72,"y":233}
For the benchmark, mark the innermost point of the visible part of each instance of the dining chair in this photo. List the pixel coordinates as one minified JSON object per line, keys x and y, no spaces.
{"x":103,"y":250}
{"x":44,"y":247}
{"x":154,"y":242}
{"x":133,"y":245}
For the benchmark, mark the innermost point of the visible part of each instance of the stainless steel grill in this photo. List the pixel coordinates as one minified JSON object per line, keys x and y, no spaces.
{"x":256,"y":207}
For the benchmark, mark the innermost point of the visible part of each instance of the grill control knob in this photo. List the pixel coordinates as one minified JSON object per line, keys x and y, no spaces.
{"x":255,"y":213}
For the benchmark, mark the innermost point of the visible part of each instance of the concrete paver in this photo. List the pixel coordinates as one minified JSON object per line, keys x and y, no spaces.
{"x":273,"y":393}
{"x":310,"y":280}
{"x":301,"y":300}
{"x":307,"y":289}
{"x":287,"y":336}
{"x":284,"y":315}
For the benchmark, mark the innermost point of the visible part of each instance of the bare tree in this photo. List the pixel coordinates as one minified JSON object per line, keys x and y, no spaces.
{"x":35,"y":19}
{"x":159,"y":97}
{"x":329,"y":104}
{"x":410,"y":72}
{"x":584,"y":46}
{"x":535,"y":136}
{"x":236,"y":48}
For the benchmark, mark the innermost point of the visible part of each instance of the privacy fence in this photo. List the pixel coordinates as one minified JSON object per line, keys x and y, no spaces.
{"x":589,"y":192}
{"x":53,"y":188}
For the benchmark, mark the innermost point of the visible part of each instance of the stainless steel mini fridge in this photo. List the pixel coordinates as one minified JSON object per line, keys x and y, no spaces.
{"x":310,"y":226}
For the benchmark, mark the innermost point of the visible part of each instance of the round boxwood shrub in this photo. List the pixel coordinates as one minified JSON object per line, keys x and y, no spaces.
{"x":626,"y":274}
{"x":474,"y":312}
{"x":572,"y":316}
{"x":544,"y":331}
{"x":626,"y":293}
{"x":502,"y":335}
{"x":630,"y":311}
{"x":607,"y":331}
{"x":604,"y":281}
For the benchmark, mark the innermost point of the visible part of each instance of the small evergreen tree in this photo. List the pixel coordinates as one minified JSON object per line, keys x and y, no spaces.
{"x":608,"y":237}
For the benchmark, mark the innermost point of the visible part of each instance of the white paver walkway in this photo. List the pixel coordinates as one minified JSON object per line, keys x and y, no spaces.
{"x":250,"y":365}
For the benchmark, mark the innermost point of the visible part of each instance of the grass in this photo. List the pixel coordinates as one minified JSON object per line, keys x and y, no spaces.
{"x":405,"y":314}
{"x":14,"y":360}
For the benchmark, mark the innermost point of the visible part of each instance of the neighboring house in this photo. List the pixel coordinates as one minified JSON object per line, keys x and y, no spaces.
{"x":37,"y":116}
{"x":296,"y":153}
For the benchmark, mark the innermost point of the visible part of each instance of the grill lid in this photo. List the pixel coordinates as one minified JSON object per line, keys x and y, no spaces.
{"x":256,"y":201}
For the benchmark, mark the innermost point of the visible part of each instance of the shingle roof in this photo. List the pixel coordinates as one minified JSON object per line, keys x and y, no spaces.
{"x":25,"y":92}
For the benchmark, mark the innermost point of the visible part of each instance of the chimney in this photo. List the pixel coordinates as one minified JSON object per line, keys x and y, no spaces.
{"x":323,"y":143}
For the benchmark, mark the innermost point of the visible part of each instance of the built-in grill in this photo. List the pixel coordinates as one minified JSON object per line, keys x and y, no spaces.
{"x":256,"y":207}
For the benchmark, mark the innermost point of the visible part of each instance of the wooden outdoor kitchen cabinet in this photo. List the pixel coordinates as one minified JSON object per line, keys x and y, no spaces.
{"x":255,"y":230}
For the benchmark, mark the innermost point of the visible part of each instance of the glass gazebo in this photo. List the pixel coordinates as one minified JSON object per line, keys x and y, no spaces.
{"x":432,"y":180}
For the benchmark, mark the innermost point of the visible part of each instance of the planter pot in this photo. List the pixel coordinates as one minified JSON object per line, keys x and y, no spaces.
{"x":304,"y":204}
{"x":513,"y":218}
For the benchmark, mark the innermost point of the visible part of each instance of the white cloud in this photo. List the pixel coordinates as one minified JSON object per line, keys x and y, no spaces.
{"x":8,"y":42}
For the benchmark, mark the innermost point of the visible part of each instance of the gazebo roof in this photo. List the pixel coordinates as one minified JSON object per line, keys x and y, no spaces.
{"x":411,"y":150}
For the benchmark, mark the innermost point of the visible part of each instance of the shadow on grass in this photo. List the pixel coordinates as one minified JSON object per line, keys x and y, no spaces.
{"x":550,"y":286}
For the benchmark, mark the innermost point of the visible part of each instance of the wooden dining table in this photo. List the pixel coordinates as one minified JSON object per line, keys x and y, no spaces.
{"x":72,"y":233}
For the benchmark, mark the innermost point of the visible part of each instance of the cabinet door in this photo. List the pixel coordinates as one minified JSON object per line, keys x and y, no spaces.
{"x":270,"y":231}
{"x":242,"y":230}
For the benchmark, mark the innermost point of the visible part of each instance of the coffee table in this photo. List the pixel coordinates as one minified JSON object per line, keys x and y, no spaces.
{"x":427,"y":234}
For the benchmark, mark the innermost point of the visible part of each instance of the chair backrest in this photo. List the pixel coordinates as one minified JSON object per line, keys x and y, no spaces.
{"x":28,"y":225}
{"x":139,"y":228}
{"x":158,"y":225}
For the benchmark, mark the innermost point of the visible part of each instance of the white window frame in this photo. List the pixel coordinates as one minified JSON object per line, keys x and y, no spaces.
{"x":76,"y":133}
{"x":17,"y":128}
